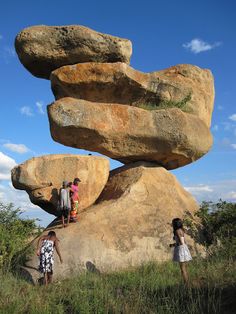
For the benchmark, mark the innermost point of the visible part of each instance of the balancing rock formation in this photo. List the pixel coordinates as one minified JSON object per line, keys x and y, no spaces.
{"x":152,"y":122}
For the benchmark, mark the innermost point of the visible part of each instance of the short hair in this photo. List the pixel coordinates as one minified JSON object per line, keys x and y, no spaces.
{"x":52,"y":233}
{"x":76,"y":180}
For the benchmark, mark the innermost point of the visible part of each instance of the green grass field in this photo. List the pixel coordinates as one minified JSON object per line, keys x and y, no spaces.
{"x":152,"y":288}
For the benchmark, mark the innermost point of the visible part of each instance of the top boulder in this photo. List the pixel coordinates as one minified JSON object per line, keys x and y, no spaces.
{"x":42,"y":49}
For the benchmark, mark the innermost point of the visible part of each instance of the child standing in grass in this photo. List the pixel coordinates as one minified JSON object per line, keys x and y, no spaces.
{"x":45,"y":249}
{"x":181,"y":251}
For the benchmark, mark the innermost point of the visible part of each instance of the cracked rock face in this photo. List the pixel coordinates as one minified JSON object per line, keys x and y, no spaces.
{"x":169,"y":137}
{"x":42,"y":177}
{"x":185,"y":86}
{"x":42,"y":49}
{"x":130,"y":224}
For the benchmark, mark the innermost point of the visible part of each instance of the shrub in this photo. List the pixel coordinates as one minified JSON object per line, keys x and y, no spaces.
{"x":14,"y":236}
{"x":218,"y":226}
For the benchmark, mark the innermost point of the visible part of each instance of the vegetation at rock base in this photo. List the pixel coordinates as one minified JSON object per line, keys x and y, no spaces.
{"x":14,"y":236}
{"x":217,"y":227}
{"x":167,"y":104}
{"x":151,"y":288}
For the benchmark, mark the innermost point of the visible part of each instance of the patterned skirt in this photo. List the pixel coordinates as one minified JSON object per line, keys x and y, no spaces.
{"x":181,"y":253}
{"x":46,"y":257}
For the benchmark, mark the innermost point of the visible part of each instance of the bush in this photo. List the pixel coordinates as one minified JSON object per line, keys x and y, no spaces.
{"x":218,"y":227}
{"x":14,"y":236}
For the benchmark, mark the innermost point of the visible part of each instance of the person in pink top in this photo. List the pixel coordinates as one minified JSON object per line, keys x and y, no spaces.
{"x":75,"y":198}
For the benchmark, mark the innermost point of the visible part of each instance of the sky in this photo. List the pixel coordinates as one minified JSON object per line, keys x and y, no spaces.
{"x":163,"y":34}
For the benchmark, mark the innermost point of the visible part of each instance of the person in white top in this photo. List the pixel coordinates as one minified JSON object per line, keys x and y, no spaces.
{"x":65,"y":203}
{"x":181,"y":251}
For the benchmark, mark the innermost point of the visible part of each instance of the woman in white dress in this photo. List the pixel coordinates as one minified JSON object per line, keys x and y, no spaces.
{"x":181,"y":251}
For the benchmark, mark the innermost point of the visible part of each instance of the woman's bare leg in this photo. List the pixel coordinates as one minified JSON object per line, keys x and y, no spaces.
{"x":68,"y":218}
{"x":49,"y":277}
{"x":183,"y":268}
{"x":63,"y":220}
{"x":45,"y":279}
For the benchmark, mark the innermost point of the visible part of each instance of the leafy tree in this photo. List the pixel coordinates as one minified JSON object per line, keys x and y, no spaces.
{"x":217,"y":223}
{"x":14,"y":235}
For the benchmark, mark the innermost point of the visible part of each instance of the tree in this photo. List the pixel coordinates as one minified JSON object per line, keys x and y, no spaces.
{"x":14,"y":235}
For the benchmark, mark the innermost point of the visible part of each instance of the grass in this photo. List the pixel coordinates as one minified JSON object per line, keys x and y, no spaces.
{"x":166,"y":104}
{"x":152,"y":288}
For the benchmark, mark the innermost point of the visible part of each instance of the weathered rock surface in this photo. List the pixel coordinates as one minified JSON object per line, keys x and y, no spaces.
{"x":170,"y":137}
{"x":129,"y":225}
{"x":42,"y":49}
{"x":184,"y":85}
{"x":42,"y":177}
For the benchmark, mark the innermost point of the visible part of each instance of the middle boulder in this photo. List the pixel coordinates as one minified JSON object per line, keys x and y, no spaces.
{"x":170,"y":137}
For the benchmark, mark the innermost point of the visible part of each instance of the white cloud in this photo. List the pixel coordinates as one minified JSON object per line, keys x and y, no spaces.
{"x":39,"y":105}
{"x":17,"y":148}
{"x":197,"y":45}
{"x":220,"y":107}
{"x":222,"y":189}
{"x":26,"y":111}
{"x":233,"y":146}
{"x":233,"y":117}
{"x":1,"y":37}
{"x":199,"y":188}
{"x":231,"y":195}
{"x":6,"y":164}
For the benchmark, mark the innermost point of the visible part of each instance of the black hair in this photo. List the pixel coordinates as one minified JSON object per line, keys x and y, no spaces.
{"x":76,"y":180}
{"x":177,"y":223}
{"x":52,"y":234}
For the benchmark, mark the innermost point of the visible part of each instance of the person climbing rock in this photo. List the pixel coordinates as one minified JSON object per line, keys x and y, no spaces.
{"x":74,"y":199}
{"x":45,"y":250}
{"x":65,"y":203}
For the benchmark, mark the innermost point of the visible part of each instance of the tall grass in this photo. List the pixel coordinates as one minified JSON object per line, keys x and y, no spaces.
{"x":152,"y":288}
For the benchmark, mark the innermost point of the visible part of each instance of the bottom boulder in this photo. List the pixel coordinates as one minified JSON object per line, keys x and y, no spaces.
{"x":129,"y":225}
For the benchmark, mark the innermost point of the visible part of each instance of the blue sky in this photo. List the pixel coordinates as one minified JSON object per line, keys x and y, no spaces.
{"x":163,"y":33}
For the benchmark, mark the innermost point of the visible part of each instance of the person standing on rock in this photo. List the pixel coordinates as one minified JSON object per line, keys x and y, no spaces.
{"x":45,"y":249}
{"x":75,"y":198}
{"x":65,"y":203}
{"x":181,"y":251}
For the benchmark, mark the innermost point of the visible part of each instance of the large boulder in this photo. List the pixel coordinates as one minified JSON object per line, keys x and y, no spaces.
{"x":170,"y":137}
{"x":42,"y":49}
{"x":130,"y":224}
{"x":185,"y":86}
{"x":42,"y":177}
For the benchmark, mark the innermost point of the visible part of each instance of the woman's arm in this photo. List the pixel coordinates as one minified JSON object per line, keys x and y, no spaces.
{"x":180,"y":234}
{"x":57,"y":249}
